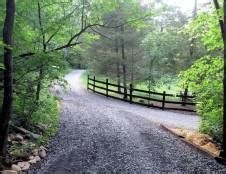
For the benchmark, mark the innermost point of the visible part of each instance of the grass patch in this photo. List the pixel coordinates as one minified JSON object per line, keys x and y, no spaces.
{"x":49,"y":115}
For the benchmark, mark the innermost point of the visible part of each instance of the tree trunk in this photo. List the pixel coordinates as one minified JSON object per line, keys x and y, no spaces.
{"x":41,"y":73}
{"x":132,"y":67}
{"x":117,"y":65}
{"x":8,"y":76}
{"x":223,"y":154}
{"x":124,"y":62}
{"x":118,"y":77}
{"x":184,"y":98}
{"x":192,"y":43}
{"x":222,"y":23}
{"x":39,"y":85}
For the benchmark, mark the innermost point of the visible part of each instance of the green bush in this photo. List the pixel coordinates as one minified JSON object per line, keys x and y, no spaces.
{"x":29,"y":113}
{"x":47,"y":114}
{"x":205,"y":79}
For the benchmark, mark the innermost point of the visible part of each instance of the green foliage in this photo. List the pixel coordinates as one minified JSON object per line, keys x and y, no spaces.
{"x":1,"y":66}
{"x":47,"y":114}
{"x":206,"y":27}
{"x":163,"y":51}
{"x":39,"y":31}
{"x":104,"y":54}
{"x":205,"y":79}
{"x":154,"y":48}
{"x":21,"y":150}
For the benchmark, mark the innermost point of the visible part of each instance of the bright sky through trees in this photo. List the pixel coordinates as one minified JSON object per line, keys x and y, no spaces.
{"x":185,"y":5}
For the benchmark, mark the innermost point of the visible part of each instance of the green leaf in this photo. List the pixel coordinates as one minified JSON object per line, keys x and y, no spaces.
{"x":1,"y":66}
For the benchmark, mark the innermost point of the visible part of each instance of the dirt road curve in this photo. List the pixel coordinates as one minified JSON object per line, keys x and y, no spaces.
{"x":100,"y":135}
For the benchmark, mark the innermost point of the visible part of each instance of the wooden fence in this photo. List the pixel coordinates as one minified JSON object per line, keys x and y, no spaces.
{"x":142,"y":97}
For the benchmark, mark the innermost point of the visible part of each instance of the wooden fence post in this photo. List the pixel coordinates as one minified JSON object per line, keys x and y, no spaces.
{"x":131,"y":93}
{"x":94,"y":80}
{"x":149,"y":96}
{"x":88,"y":82}
{"x":106,"y":87}
{"x":125,"y":93}
{"x":185,"y":96}
{"x":163,"y":100}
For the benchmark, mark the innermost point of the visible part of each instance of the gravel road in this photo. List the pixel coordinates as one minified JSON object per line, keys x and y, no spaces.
{"x":100,"y":135}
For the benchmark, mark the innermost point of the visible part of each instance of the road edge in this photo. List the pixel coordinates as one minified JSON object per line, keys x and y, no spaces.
{"x":194,"y":146}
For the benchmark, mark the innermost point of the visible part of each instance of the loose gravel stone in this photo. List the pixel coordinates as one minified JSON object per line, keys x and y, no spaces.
{"x":100,"y":135}
{"x":16,"y":168}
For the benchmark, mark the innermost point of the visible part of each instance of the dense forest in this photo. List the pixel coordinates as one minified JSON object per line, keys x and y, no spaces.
{"x":155,"y":46}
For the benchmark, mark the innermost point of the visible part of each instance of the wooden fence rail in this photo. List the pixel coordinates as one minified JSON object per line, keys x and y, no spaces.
{"x":142,"y":97}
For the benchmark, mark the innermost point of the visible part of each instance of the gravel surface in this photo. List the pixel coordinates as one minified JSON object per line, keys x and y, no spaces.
{"x":100,"y":135}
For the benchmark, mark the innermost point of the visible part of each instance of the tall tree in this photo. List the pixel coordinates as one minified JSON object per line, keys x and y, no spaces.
{"x":8,"y":75}
{"x":224,"y":116}
{"x":124,"y":61}
{"x":40,"y":76}
{"x":192,"y":44}
{"x":118,"y":63}
{"x":222,"y":23}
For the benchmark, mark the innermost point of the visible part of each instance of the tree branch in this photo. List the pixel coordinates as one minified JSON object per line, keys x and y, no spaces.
{"x":100,"y":33}
{"x":51,"y":37}
{"x":26,"y":54}
{"x":62,"y":19}
{"x":65,"y":46}
{"x":70,"y":44}
{"x":54,"y":3}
